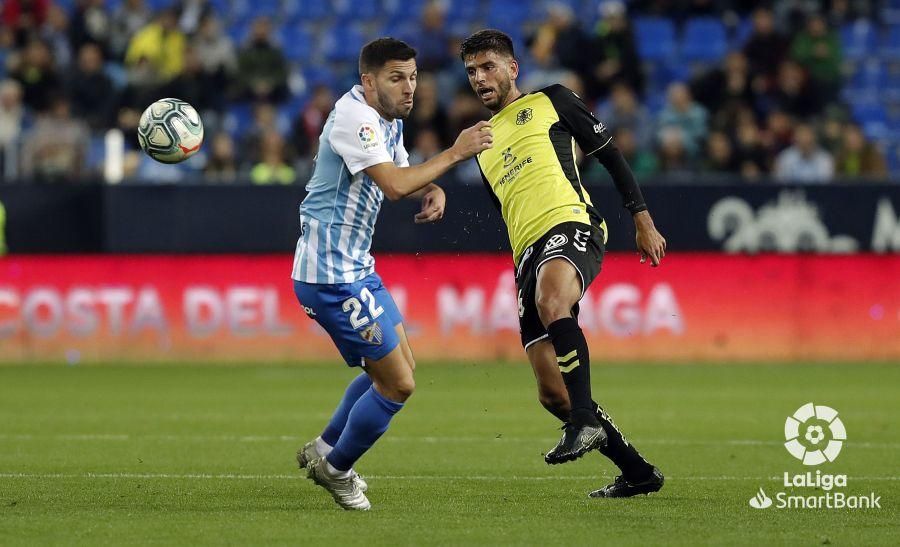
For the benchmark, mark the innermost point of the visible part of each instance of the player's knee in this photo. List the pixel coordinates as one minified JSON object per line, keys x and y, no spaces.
{"x":404,"y":388}
{"x":551,"y":305}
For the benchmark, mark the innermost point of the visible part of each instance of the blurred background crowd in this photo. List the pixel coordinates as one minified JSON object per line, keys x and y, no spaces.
{"x":797,"y":90}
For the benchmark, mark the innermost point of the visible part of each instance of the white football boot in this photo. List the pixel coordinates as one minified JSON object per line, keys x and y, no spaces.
{"x":309,"y":452}
{"x":345,"y":491}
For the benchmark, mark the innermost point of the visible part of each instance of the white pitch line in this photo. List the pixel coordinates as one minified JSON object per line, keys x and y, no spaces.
{"x":230,"y":476}
{"x":391,"y":438}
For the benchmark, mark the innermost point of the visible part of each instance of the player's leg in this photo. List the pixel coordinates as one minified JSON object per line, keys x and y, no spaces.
{"x":324,"y":443}
{"x":370,"y":334}
{"x":558,"y":291}
{"x":552,"y":394}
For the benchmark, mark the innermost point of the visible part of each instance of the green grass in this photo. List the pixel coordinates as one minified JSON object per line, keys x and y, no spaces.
{"x":205,"y":455}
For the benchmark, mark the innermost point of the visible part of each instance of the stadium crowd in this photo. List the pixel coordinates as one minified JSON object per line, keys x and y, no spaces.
{"x":765,"y":100}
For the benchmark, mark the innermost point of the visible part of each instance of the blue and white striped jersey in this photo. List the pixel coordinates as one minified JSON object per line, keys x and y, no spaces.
{"x":337,"y":218}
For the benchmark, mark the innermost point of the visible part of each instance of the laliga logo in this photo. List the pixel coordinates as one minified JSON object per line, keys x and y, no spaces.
{"x":805,"y":433}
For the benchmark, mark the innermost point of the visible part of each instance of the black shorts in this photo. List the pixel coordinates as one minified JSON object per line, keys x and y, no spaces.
{"x":580,"y":244}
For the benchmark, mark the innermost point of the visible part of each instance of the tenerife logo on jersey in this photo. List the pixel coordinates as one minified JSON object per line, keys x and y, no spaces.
{"x":508,"y":157}
{"x":368,"y":137}
{"x":524,"y":116}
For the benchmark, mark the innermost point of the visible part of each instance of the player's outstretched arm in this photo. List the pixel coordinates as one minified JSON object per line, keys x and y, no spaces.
{"x":398,"y":182}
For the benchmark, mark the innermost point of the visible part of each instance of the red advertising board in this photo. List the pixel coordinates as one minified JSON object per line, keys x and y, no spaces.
{"x":242,"y":308}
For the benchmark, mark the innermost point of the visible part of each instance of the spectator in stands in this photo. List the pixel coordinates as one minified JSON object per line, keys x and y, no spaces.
{"x":23,"y":17}
{"x":624,"y":111}
{"x":751,"y":155}
{"x":642,"y":162}
{"x":192,"y":13}
{"x":221,"y":166}
{"x":805,"y":161}
{"x":434,"y":52}
{"x":428,"y":112}
{"x":779,"y":133}
{"x":674,"y":159}
{"x":130,"y":17}
{"x":842,"y":12}
{"x":793,"y":93}
{"x":262,"y":67}
{"x":559,"y":41}
{"x":818,"y":50}
{"x":308,"y":125}
{"x":196,"y":86}
{"x":766,"y":48}
{"x":56,"y":147}
{"x":90,"y":90}
{"x":720,"y":157}
{"x":858,"y":157}
{"x":265,"y":120}
{"x":272,"y":169}
{"x":89,"y":24}
{"x":426,"y":145}
{"x":615,"y":52}
{"x":725,"y":91}
{"x":36,"y":71}
{"x":55,"y":32}
{"x":465,"y":110}
{"x":216,"y":52}
{"x":12,"y":117}
{"x":161,"y":45}
{"x":682,"y":112}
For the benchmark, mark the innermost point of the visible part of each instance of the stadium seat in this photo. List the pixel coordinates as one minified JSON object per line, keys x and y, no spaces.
{"x":316,"y":74}
{"x":239,"y":118}
{"x":249,"y":9}
{"x":461,"y":11}
{"x":891,"y":47}
{"x":342,"y":44}
{"x":96,"y":152}
{"x":873,"y":119}
{"x":704,"y":39}
{"x":741,"y":33}
{"x":306,"y":10}
{"x":403,"y":10}
{"x":296,"y":42}
{"x":238,"y":31}
{"x":508,"y":15}
{"x":859,"y":40}
{"x":655,"y":38}
{"x":357,"y":10}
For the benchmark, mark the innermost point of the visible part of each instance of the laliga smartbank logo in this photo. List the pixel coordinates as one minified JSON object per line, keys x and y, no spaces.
{"x":814,"y":434}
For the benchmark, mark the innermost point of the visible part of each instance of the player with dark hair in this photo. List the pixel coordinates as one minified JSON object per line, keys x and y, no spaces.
{"x":558,"y":240}
{"x":361,"y":159}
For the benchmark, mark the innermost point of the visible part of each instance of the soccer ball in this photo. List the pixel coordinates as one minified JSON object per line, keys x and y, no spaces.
{"x":170,"y":131}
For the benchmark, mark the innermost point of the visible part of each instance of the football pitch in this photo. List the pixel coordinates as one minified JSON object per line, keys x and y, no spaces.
{"x":192,"y":455}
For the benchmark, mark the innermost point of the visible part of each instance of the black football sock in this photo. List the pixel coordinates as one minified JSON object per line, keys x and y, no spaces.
{"x":574,"y":364}
{"x":620,"y":451}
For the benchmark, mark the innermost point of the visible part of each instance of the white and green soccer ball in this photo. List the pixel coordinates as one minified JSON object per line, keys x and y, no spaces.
{"x":170,"y":131}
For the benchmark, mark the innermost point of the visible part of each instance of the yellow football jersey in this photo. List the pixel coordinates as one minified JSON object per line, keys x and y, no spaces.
{"x":531,"y":170}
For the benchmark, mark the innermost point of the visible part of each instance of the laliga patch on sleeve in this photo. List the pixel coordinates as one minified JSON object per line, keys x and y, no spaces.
{"x":368,"y":137}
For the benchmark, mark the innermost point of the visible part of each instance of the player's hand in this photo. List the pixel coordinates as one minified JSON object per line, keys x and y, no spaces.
{"x":433,"y":204}
{"x":650,"y":243}
{"x":473,"y":140}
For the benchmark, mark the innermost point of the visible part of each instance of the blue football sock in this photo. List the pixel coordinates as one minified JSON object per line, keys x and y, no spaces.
{"x":354,"y":391}
{"x":368,"y":420}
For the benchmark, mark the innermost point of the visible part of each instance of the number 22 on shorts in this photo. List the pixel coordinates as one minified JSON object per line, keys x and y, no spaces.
{"x":355,"y":307}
